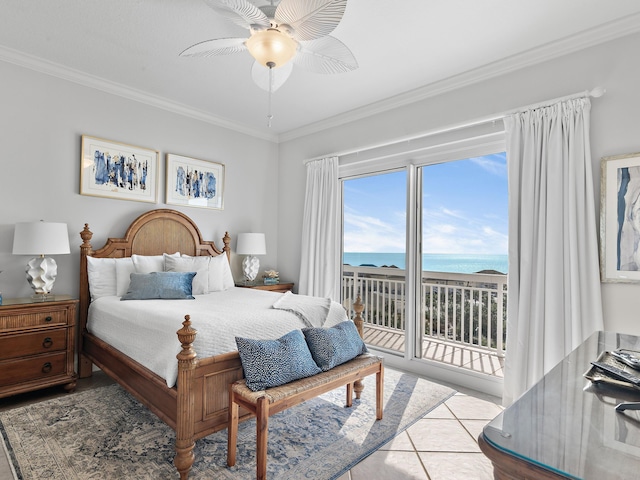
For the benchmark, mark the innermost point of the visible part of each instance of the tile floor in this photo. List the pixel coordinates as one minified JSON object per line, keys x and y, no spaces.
{"x":442,"y":445}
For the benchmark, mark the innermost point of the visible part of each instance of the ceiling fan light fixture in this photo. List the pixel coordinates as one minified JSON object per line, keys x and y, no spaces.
{"x":271,"y":47}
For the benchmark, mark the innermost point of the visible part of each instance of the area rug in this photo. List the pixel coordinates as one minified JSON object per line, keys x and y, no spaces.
{"x":104,"y":433}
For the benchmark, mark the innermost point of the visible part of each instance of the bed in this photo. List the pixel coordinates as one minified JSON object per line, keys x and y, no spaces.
{"x":195,"y":403}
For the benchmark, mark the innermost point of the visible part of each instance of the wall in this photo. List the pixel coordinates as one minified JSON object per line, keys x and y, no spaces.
{"x":614,"y":130}
{"x":41,"y":123}
{"x":42,"y":120}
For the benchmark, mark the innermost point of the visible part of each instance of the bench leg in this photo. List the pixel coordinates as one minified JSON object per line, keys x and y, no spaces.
{"x":379,"y":392}
{"x":358,"y":387}
{"x":262,"y":431}
{"x":232,"y":430}
{"x":349,"y":394}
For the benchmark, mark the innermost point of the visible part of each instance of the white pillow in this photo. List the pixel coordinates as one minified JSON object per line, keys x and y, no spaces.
{"x":220,"y":276}
{"x":227,"y":276}
{"x":215,"y":274}
{"x":200,"y":265}
{"x":111,"y":276}
{"x":124,"y":269}
{"x":101,"y":273}
{"x":150,"y":263}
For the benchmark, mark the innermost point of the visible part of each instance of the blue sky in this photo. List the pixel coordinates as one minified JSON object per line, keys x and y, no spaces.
{"x":464,"y":209}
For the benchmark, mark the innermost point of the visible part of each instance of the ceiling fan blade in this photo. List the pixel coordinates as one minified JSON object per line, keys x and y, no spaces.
{"x":269,"y":10}
{"x":217,"y":46}
{"x":240,"y":12}
{"x":260,"y":75}
{"x":311,"y":19}
{"x":325,"y":55}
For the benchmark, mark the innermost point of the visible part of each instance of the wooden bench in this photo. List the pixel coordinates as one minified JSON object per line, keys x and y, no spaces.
{"x":268,"y":402}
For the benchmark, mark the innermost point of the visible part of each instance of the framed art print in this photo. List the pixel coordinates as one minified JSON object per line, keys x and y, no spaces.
{"x":620,"y":218}
{"x":194,"y":183}
{"x":117,"y":170}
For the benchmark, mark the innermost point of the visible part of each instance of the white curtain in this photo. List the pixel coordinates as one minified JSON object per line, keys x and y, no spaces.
{"x":320,"y":256}
{"x":554,"y":285}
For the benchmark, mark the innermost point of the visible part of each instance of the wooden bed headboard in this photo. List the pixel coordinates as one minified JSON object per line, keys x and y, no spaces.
{"x":152,"y":233}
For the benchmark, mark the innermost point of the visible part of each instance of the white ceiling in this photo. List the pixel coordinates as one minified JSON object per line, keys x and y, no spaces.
{"x":403,"y":47}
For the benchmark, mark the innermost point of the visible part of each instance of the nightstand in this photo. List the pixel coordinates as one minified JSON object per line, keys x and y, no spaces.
{"x":281,"y":287}
{"x":37,"y":344}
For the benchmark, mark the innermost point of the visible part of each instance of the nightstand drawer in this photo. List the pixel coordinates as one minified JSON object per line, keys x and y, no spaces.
{"x":37,"y":344}
{"x":34,"y":319}
{"x":41,"y":366}
{"x":25,"y":344}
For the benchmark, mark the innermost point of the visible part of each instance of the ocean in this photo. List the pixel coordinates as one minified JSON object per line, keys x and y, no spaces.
{"x":431,"y":262}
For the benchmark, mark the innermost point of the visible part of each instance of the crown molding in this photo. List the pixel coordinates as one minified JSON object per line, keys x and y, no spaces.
{"x":585,"y":39}
{"x":65,"y":73}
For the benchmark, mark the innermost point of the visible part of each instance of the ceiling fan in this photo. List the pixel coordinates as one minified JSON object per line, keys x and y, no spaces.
{"x":291,"y":32}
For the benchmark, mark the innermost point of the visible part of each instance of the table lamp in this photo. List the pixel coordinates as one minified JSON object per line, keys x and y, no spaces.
{"x":251,"y":244}
{"x":41,"y":238}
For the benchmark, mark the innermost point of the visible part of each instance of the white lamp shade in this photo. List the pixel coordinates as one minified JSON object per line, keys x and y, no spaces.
{"x":251,"y":244}
{"x":41,"y":238}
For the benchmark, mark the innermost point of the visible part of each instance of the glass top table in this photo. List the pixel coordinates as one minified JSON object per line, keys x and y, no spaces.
{"x":567,"y":426}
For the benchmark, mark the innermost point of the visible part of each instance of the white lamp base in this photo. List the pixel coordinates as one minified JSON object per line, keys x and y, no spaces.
{"x":41,"y":274}
{"x":250,"y":267}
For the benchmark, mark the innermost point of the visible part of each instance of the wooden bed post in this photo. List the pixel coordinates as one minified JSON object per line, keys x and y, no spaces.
{"x":358,"y":308}
{"x":187,"y":363}
{"x":226,"y":240}
{"x":85,"y":366}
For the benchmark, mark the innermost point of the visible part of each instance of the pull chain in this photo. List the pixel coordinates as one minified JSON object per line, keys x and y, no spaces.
{"x":269,"y":114}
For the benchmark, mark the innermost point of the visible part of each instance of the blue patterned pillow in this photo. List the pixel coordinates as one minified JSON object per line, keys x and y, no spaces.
{"x":270,"y":363}
{"x":165,"y":285}
{"x":332,"y":346}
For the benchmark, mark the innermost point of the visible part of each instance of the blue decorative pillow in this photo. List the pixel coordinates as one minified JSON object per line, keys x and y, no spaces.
{"x":332,"y":346}
{"x":270,"y":363}
{"x":166,"y":285}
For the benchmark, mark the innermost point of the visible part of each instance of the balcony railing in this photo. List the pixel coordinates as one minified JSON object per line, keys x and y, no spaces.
{"x":458,"y":308}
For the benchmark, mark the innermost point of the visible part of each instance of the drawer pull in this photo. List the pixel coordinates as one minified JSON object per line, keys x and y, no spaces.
{"x":47,"y":342}
{"x":46,"y":368}
{"x":48,"y":319}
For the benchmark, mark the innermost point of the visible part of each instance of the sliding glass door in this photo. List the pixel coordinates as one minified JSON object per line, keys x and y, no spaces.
{"x":426,"y":248}
{"x":374,"y":243}
{"x":464,"y":243}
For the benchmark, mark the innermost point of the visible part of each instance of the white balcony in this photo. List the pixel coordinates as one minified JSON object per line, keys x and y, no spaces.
{"x":462,"y":316}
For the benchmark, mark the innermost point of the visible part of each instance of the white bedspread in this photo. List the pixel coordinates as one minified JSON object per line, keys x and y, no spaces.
{"x":145,"y":330}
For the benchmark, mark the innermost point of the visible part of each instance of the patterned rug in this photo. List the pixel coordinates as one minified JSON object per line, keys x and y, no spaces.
{"x":104,"y":433}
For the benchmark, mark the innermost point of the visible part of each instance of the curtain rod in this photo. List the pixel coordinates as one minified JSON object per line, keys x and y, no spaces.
{"x":596,"y":93}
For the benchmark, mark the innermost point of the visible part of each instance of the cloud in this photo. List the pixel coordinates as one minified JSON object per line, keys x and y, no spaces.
{"x":494,"y":164}
{"x":459,"y":235}
{"x":452,"y":213}
{"x":442,"y":214}
{"x":454,"y":220}
{"x":444,"y":228}
{"x":371,"y":234}
{"x":489,"y":231}
{"x":464,"y":241}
